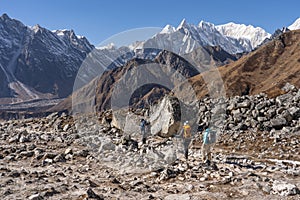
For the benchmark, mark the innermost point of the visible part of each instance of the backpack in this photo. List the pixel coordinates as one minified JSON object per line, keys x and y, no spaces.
{"x":210,"y":136}
{"x":143,"y":123}
{"x":187,"y":131}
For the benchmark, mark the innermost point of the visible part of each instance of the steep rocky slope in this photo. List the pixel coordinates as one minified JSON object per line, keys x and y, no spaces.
{"x":266,"y":69}
{"x":137,"y":74}
{"x":38,"y":63}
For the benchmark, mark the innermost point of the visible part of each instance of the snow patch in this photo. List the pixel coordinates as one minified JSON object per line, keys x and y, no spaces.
{"x":109,"y":46}
{"x":168,"y":29}
{"x":255,"y":35}
{"x":295,"y":25}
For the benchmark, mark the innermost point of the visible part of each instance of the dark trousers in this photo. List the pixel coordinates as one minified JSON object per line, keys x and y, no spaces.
{"x":186,"y":143}
{"x":143,"y":132}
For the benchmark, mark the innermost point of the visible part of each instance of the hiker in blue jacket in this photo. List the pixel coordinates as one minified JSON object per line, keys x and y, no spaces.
{"x":209,"y":138}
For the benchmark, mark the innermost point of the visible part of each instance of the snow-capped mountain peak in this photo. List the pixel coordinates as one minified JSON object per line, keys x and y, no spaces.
{"x":61,"y":32}
{"x":188,"y":37}
{"x":4,"y":16}
{"x":295,"y":25}
{"x":36,"y":53}
{"x":183,"y":24}
{"x":241,"y":31}
{"x":36,"y":28}
{"x":110,"y":46}
{"x":168,"y":29}
{"x":206,"y":26}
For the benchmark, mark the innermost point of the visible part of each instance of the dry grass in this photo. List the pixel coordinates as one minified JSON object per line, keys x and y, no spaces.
{"x":266,"y":69}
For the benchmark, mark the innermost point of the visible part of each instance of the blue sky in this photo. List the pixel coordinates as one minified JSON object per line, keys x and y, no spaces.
{"x":99,"y":20}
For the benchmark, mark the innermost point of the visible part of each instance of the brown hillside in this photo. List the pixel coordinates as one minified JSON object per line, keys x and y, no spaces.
{"x":265,"y":70}
{"x":99,"y":92}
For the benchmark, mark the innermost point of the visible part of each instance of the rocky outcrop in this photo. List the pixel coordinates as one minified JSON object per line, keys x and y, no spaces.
{"x":165,"y":117}
{"x":256,"y":112}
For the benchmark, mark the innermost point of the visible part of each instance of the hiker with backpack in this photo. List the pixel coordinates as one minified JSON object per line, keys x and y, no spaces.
{"x":187,"y":137}
{"x":209,"y":138}
{"x":143,"y":125}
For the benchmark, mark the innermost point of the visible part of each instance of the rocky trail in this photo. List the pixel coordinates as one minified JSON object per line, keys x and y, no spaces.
{"x":42,"y":162}
{"x":63,"y":157}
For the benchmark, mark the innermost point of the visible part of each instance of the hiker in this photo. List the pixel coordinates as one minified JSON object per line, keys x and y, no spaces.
{"x":143,"y":125}
{"x":187,"y":136}
{"x":209,"y":138}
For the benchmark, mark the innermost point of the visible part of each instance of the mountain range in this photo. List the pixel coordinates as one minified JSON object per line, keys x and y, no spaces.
{"x":233,"y":38}
{"x":37,"y":63}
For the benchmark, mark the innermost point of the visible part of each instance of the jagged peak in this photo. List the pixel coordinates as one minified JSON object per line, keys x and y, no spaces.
{"x":37,"y":28}
{"x":244,"y":26}
{"x":66,"y":32}
{"x":183,"y":24}
{"x":285,"y":29}
{"x":110,"y":46}
{"x":206,"y":26}
{"x":204,"y":23}
{"x":168,"y":29}
{"x":5,"y":17}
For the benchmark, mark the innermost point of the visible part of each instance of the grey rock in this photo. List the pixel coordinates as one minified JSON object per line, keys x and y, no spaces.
{"x":178,"y":197}
{"x":59,"y":158}
{"x":45,"y":137}
{"x":231,"y":107}
{"x":284,"y":99}
{"x":287,"y":115}
{"x":261,"y":119}
{"x":295,"y":112}
{"x":167,"y":174}
{"x":82,"y":153}
{"x":236,"y":112}
{"x":49,"y":192}
{"x":68,"y":151}
{"x":24,"y":139}
{"x":66,"y":127}
{"x":27,"y":154}
{"x":58,"y":139}
{"x":254,"y":113}
{"x":35,"y":197}
{"x":245,"y":104}
{"x":48,"y":161}
{"x":14,"y":139}
{"x":261,"y":105}
{"x":165,"y":117}
{"x":52,"y":116}
{"x":170,"y":155}
{"x":270,"y":113}
{"x":91,"y":194}
{"x":51,"y":155}
{"x":284,"y":189}
{"x":278,"y":123}
{"x":15,"y":174}
{"x":107,"y":145}
{"x":202,"y":108}
{"x":289,"y":88}
{"x":31,"y":147}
